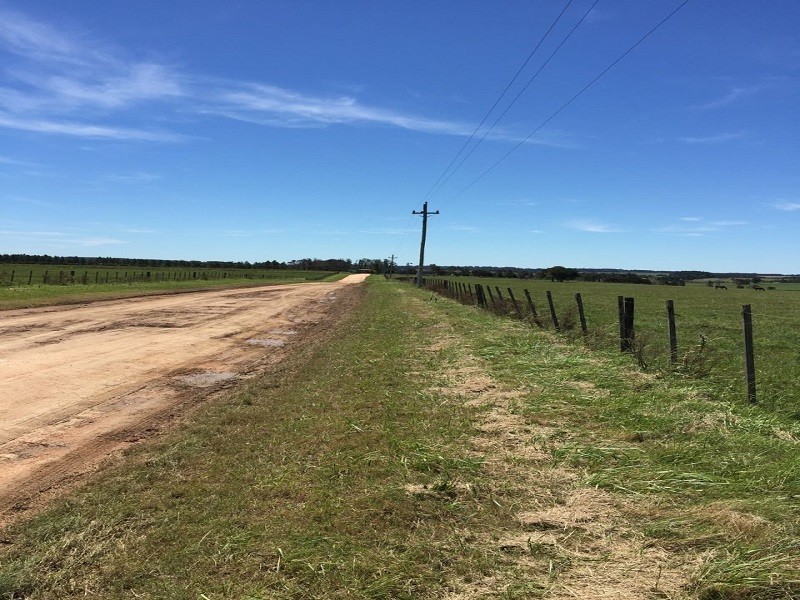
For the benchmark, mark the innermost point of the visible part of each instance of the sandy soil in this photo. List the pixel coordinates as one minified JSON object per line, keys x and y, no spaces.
{"x":78,"y":383}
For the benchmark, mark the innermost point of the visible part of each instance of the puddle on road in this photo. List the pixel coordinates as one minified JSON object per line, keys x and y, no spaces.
{"x":206,"y":378}
{"x":266,"y":342}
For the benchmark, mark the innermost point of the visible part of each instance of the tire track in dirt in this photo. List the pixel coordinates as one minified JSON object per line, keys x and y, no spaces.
{"x":79,"y":383}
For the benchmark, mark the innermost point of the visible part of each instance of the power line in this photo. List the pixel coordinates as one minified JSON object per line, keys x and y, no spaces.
{"x":499,"y":98}
{"x":571,"y":100}
{"x":514,"y":100}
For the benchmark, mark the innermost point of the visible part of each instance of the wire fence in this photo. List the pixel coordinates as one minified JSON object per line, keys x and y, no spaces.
{"x":41,"y":275}
{"x":739,"y":352}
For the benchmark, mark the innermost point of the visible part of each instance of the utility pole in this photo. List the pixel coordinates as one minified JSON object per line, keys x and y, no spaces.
{"x":424,"y":214}
{"x":391,"y":266}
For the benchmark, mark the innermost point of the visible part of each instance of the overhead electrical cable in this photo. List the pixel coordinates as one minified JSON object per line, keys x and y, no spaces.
{"x":499,"y":98}
{"x":571,"y":100}
{"x":514,"y":100}
{"x":489,"y":112}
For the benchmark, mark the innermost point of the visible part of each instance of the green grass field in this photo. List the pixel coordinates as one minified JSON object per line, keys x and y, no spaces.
{"x":29,"y":274}
{"x":71,"y":284}
{"x":425,"y":449}
{"x":702,"y":313}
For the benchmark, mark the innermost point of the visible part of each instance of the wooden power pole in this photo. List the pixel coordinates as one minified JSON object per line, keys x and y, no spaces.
{"x":424,"y":214}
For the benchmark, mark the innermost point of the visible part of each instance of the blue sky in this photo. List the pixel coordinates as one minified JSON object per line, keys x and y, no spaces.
{"x":250,"y":130}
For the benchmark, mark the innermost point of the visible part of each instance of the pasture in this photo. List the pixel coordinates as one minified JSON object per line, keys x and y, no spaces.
{"x":29,"y":274}
{"x":709,"y":329}
{"x":27,"y":285}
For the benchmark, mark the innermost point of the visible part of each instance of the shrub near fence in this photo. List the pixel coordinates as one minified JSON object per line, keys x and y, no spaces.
{"x":705,"y":337}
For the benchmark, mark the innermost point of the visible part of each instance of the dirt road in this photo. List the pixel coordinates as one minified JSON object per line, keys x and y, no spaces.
{"x":78,"y":383}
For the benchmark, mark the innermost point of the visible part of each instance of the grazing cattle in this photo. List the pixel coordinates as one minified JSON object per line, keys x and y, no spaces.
{"x":721,"y":287}
{"x":758,"y":287}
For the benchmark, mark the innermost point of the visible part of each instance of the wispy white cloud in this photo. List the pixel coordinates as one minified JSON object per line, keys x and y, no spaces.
{"x":592,"y":226}
{"x":734,"y":95}
{"x":67,"y":83}
{"x":97,"y":241}
{"x":467,"y":228}
{"x":138,"y":177}
{"x":5,"y":160}
{"x":272,"y":105}
{"x":787,"y":206}
{"x":30,"y":38}
{"x":727,"y":223}
{"x":522,"y":202}
{"x":145,"y":230}
{"x":86,"y":130}
{"x":699,"y":226}
{"x":719,"y":138}
{"x":387,"y":231}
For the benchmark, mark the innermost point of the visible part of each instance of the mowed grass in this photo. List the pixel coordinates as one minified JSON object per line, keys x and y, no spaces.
{"x":348,"y":472}
{"x":24,"y":296}
{"x":709,"y":329}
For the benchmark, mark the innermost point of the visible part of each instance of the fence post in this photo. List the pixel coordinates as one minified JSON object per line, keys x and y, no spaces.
{"x":500,"y":296}
{"x":531,"y":305}
{"x":749,"y":357}
{"x":581,"y":315}
{"x":469,"y":289}
{"x":552,"y":309}
{"x":479,"y":295}
{"x":621,"y":312}
{"x":44,"y":279}
{"x":673,"y":336}
{"x":514,"y":302}
{"x":491,"y":297}
{"x":30,"y":277}
{"x":12,"y":276}
{"x":626,"y":341}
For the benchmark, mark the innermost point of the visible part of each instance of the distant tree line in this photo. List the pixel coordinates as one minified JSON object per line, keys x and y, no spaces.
{"x":305,"y":264}
{"x":560,"y":273}
{"x":375,"y":265}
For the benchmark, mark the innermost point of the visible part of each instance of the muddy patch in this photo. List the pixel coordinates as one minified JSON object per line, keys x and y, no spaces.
{"x":205,"y":379}
{"x":266,"y":342}
{"x":282,"y":331}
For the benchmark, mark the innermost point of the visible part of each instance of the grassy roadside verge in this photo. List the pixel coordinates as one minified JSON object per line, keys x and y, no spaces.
{"x":46,"y":295}
{"x":425,"y":449}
